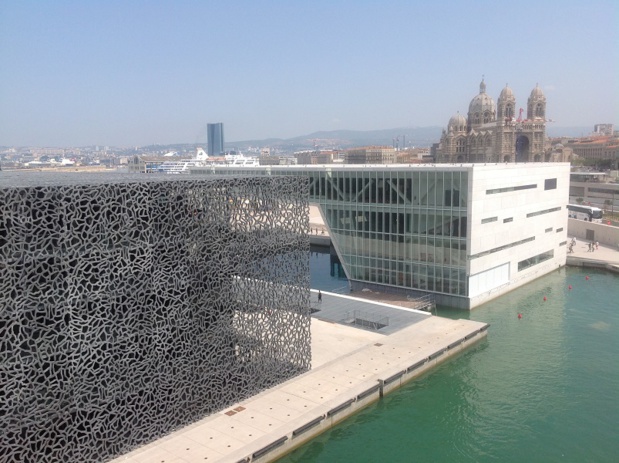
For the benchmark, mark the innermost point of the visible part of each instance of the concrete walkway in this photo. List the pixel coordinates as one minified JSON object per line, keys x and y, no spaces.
{"x":351,"y":368}
{"x":603,"y":257}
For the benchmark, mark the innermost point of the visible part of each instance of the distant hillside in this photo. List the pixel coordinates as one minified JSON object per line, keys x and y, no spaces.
{"x":342,"y":139}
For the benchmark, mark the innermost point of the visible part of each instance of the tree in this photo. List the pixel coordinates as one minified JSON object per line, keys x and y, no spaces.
{"x":579,"y":200}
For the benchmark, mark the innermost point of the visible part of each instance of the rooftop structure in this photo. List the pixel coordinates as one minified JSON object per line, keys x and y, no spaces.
{"x":370,"y":155}
{"x":603,"y":129}
{"x":598,"y":189}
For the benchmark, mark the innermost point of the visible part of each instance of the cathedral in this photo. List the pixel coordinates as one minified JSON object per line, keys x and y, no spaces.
{"x":496,"y":132}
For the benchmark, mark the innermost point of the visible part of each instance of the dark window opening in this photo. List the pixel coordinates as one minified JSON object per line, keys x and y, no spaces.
{"x":510,"y":188}
{"x":531,"y":261}
{"x":545,"y":211}
{"x":502,"y":248}
{"x":550,"y":184}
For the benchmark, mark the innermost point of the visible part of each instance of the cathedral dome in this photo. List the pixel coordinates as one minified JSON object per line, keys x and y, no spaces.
{"x":482,"y":108}
{"x":506,"y":94}
{"x":457,"y":123}
{"x":537,"y":92}
{"x":481,"y":103}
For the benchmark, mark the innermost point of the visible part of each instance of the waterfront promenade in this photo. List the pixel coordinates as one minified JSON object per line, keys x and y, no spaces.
{"x":351,"y":368}
{"x":606,"y":257}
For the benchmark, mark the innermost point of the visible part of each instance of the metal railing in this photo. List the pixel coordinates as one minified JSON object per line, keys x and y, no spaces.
{"x":426,"y":303}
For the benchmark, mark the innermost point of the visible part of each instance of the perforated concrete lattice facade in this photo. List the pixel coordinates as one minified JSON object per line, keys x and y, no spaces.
{"x":131,"y":305}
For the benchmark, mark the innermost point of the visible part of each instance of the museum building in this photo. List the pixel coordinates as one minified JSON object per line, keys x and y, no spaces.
{"x":131,"y":306}
{"x":465,"y":233}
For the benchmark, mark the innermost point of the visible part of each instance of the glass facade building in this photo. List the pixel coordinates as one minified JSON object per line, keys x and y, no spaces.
{"x":458,"y":231}
{"x":401,"y":228}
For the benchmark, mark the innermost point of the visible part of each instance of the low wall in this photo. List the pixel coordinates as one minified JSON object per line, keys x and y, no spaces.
{"x":606,"y":235}
{"x":573,"y":261}
{"x":333,"y":413}
{"x":320,"y":240}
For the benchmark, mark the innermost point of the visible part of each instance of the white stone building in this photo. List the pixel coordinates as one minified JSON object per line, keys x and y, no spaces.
{"x":466,"y":233}
{"x":496,"y":132}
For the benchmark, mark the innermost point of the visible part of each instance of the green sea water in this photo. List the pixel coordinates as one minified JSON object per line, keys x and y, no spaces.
{"x":544,"y":388}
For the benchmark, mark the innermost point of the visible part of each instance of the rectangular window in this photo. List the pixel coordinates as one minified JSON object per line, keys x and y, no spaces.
{"x":550,"y":184}
{"x":509,"y":219}
{"x":562,"y":243}
{"x":559,"y":230}
{"x":501,"y":248}
{"x":548,"y":230}
{"x":545,"y":211}
{"x":489,"y":219}
{"x":531,"y":261}
{"x":511,"y":188}
{"x":608,"y":191}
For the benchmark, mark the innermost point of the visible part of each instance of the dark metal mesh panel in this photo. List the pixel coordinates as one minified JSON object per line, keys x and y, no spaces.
{"x":129,"y":308}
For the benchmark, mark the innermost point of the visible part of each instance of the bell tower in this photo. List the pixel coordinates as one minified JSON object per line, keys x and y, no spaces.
{"x":536,"y":105}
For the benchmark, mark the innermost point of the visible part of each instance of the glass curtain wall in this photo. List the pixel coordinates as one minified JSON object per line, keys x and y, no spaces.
{"x":398,"y":227}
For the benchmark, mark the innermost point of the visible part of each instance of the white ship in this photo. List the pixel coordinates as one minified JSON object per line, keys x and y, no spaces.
{"x":179,"y":167}
{"x":239,"y":160}
{"x":203,"y":159}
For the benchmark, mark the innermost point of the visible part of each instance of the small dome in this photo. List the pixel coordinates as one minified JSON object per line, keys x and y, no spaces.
{"x":537,"y":92}
{"x":506,"y":93}
{"x":457,"y":122}
{"x":558,"y":146}
{"x":483,"y":106}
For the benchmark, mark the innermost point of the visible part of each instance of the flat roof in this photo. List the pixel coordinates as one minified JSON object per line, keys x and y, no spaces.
{"x":381,"y":317}
{"x":21,"y":179}
{"x":588,"y":173}
{"x":374,"y":167}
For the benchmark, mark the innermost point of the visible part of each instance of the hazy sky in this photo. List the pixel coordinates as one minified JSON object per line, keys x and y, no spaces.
{"x":129,"y":72}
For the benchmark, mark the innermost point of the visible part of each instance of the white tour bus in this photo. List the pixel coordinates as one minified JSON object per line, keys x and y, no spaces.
{"x":589,"y":213}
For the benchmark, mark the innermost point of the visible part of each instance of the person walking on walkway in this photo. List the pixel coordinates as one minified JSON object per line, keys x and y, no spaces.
{"x":319,"y":296}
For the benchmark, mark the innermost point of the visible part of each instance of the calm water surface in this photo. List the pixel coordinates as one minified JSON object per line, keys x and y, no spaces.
{"x":541,"y":389}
